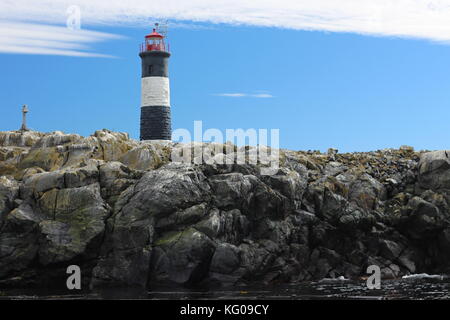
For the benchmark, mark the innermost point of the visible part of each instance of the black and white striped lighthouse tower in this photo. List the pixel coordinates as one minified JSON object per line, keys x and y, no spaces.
{"x":155,"y":95}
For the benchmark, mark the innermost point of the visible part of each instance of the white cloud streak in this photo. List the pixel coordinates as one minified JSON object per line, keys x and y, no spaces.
{"x":423,"y":19}
{"x":245,"y":95}
{"x":262,"y":95}
{"x":33,"y":38}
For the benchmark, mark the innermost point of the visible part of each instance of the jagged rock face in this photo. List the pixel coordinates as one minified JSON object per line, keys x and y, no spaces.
{"x":128,"y":216}
{"x":434,"y":170}
{"x":158,"y":194}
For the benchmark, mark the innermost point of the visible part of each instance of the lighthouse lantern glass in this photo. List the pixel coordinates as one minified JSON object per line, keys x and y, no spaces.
{"x":154,"y":42}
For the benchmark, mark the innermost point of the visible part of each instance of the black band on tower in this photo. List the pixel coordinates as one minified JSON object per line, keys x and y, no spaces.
{"x":156,"y":123}
{"x":155,"y":64}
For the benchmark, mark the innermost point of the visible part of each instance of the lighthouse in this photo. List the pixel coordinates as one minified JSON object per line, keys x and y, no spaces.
{"x":155,"y":88}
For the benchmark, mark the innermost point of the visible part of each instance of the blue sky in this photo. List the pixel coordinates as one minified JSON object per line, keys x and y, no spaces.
{"x":320,"y":89}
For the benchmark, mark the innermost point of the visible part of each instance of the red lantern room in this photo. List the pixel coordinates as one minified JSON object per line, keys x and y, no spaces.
{"x":154,"y":42}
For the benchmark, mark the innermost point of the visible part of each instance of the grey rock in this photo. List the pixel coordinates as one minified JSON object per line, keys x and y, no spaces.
{"x":365,"y":191}
{"x":9,"y":191}
{"x":39,"y":183}
{"x":18,"y":240}
{"x":127,"y":253}
{"x":423,"y":219}
{"x":334,"y":168}
{"x":185,"y":217}
{"x":434,"y":170}
{"x":226,"y":259}
{"x":288,"y":182}
{"x":129,"y":217}
{"x":231,"y":190}
{"x":407,"y":259}
{"x":184,"y":258}
{"x":257,"y":258}
{"x":390,"y":249}
{"x":115,"y":178}
{"x":80,"y":177}
{"x":77,"y":225}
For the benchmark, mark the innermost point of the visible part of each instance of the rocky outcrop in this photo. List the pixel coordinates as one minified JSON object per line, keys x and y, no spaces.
{"x":129,"y":216}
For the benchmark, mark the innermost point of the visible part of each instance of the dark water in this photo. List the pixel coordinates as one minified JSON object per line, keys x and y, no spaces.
{"x":401,"y":289}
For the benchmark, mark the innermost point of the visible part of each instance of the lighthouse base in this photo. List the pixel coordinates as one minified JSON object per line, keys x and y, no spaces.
{"x":156,"y":123}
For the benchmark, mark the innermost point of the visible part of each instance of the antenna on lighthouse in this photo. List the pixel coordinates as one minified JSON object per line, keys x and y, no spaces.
{"x":162,"y":27}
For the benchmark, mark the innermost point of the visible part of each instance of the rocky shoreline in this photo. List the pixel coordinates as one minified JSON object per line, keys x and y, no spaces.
{"x":128,"y":216}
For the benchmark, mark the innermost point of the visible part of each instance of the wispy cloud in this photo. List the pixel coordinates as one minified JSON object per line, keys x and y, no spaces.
{"x":425,"y":19}
{"x":33,"y":38}
{"x":262,"y":95}
{"x":243,"y":95}
{"x":410,"y":18}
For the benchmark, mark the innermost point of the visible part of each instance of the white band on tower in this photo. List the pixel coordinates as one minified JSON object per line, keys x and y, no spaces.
{"x":155,"y":91}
